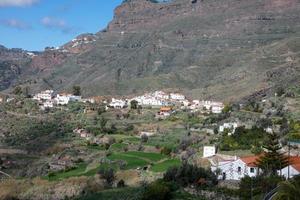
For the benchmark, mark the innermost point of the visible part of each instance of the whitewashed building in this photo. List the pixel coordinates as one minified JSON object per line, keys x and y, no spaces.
{"x":48,"y":104}
{"x":177,"y":96}
{"x":228,"y":126}
{"x":293,"y":169}
{"x":236,"y":169}
{"x":118,"y":103}
{"x":161,"y":95}
{"x":148,"y":134}
{"x":148,"y":100}
{"x":213,"y":106}
{"x":44,"y":95}
{"x":64,"y":99}
{"x":209,"y":151}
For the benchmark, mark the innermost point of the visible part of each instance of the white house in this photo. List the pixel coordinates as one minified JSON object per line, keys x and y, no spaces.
{"x":213,"y":106}
{"x":293,"y":169}
{"x":185,"y":102}
{"x":236,"y":169}
{"x":64,"y":99}
{"x":149,"y":100}
{"x":148,"y":134}
{"x":44,"y":95}
{"x":229,"y":126}
{"x":177,"y":96}
{"x":48,"y":104}
{"x":209,"y":151}
{"x":118,"y":103}
{"x":161,"y":95}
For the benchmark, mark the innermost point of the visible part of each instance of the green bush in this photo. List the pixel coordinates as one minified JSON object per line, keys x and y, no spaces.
{"x":257,"y":186}
{"x":158,"y":190}
{"x":187,"y":174}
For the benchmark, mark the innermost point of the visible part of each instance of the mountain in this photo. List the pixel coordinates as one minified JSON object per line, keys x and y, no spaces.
{"x":13,"y":63}
{"x":222,"y":49}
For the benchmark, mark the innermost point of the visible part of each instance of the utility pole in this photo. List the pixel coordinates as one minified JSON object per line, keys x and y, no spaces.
{"x":289,"y":152}
{"x":251,"y":188}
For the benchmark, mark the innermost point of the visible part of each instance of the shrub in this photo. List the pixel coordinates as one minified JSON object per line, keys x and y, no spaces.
{"x":144,"y":138}
{"x":166,"y":151}
{"x":187,"y":174}
{"x":108,"y":175}
{"x":257,"y":186}
{"x":158,"y":190}
{"x":121,"y":183}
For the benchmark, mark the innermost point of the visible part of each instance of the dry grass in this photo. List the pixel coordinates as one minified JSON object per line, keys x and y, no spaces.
{"x":131,"y":177}
{"x":37,"y":189}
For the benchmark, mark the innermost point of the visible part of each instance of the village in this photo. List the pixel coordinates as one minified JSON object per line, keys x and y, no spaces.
{"x":145,"y":136}
{"x":157,"y":99}
{"x":227,"y":167}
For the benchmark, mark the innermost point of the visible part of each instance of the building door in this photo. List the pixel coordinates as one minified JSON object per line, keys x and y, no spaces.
{"x":224,"y":176}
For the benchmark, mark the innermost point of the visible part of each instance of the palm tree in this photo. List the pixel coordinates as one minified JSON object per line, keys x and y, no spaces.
{"x":289,"y":190}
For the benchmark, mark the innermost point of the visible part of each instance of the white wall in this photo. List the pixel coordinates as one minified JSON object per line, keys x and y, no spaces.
{"x":231,"y":170}
{"x":209,"y":151}
{"x":284,"y":172}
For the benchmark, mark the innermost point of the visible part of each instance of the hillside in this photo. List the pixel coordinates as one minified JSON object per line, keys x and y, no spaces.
{"x":224,"y":49}
{"x":13,"y":63}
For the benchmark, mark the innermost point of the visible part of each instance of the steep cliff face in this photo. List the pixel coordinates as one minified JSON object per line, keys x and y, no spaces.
{"x":144,"y":14}
{"x":219,"y":49}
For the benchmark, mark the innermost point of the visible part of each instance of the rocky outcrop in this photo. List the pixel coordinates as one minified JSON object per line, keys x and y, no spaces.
{"x":145,"y":14}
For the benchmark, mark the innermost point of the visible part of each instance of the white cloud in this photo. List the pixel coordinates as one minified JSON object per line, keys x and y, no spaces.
{"x":58,"y":24}
{"x":15,"y":23}
{"x":53,"y":22}
{"x":17,"y":3}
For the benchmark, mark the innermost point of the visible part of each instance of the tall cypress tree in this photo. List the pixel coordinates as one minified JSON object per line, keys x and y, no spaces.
{"x":272,"y":159}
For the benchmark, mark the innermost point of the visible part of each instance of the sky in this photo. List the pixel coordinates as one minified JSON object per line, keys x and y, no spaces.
{"x":36,"y":24}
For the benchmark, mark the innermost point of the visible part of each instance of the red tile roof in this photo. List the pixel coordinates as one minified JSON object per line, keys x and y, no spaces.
{"x":165,"y":109}
{"x":250,"y":161}
{"x":295,"y":162}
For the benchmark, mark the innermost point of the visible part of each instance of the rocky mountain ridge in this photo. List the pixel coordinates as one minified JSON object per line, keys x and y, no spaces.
{"x":224,"y":49}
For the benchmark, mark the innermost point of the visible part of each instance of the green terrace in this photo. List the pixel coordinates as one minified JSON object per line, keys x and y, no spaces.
{"x":134,"y":160}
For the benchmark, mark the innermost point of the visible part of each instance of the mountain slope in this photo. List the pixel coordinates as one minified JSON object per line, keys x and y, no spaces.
{"x":13,"y":63}
{"x":209,"y":48}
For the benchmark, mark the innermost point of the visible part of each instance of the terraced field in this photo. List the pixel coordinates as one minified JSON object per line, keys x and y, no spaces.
{"x":136,"y":159}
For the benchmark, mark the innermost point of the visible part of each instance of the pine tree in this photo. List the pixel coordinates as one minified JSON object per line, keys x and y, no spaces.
{"x":76,"y":90}
{"x":272,"y":159}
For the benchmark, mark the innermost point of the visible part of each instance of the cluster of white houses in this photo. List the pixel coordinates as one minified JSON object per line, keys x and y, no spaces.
{"x":160,"y":98}
{"x":48,"y":99}
{"x":235,"y":168}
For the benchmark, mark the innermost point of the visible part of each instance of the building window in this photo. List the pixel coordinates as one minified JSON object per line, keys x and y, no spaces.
{"x":239,"y":169}
{"x":251,"y":170}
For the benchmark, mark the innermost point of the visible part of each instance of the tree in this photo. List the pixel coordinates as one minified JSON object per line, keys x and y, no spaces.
{"x":255,"y":187}
{"x":76,"y":90}
{"x":25,"y":92}
{"x":158,"y":190}
{"x":121,"y":184}
{"x":18,"y":90}
{"x":144,"y":138}
{"x":227,"y":108}
{"x":103,"y":123}
{"x":272,"y":160}
{"x":289,"y":189}
{"x":280,"y":91}
{"x":108,"y":175}
{"x":134,"y":104}
{"x":187,"y":174}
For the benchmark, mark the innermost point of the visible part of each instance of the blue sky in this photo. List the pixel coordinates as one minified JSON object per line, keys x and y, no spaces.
{"x":36,"y":24}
